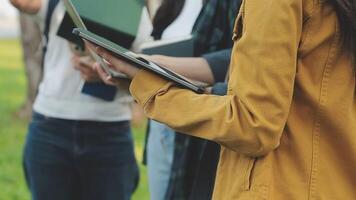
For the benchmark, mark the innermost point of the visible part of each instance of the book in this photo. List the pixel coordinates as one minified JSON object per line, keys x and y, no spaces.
{"x":138,"y":61}
{"x":123,"y":15}
{"x":176,"y":47}
{"x":114,"y":19}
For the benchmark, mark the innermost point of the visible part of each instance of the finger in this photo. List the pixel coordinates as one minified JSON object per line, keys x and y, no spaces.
{"x":85,"y":70}
{"x":104,"y":54}
{"x":80,"y":62}
{"x":108,"y":79}
{"x":102,"y":74}
{"x":89,"y":45}
{"x":116,"y":67}
{"x":89,"y":75}
{"x":110,"y":65}
{"x":93,"y":66}
{"x":111,"y":81}
{"x":116,"y":63}
{"x":85,"y":64}
{"x":75,"y":62}
{"x":88,"y":71}
{"x":109,"y":57}
{"x":84,"y":73}
{"x":111,"y":60}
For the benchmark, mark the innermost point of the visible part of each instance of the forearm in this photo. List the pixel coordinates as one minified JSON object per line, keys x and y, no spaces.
{"x":194,"y":68}
{"x":27,"y":6}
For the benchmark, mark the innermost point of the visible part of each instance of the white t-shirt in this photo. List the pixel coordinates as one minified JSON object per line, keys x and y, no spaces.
{"x":183,"y":25}
{"x":180,"y":27}
{"x":60,"y":90}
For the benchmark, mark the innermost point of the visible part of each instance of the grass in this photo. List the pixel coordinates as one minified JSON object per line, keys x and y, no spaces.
{"x":13,"y":130}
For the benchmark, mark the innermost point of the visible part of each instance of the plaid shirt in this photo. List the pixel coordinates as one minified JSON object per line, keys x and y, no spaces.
{"x":212,"y":32}
{"x":214,"y":27}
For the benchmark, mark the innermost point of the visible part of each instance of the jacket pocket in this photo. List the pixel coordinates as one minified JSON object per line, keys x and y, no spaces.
{"x":247,"y":165}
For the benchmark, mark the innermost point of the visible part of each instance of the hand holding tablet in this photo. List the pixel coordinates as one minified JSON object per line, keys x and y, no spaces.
{"x":113,"y":62}
{"x":129,"y":63}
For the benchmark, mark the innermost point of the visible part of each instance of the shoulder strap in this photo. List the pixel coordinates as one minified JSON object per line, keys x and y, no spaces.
{"x":51,"y":6}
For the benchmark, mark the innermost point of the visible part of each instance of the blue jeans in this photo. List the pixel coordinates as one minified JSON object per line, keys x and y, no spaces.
{"x":79,"y":160}
{"x":160,"y":150}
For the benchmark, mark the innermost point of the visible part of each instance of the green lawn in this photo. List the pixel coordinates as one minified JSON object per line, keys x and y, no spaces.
{"x":13,"y":130}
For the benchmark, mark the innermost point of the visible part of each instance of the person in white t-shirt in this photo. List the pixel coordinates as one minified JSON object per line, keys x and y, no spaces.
{"x":78,"y":146}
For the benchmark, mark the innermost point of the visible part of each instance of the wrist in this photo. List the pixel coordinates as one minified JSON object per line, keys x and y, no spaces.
{"x":159,"y":59}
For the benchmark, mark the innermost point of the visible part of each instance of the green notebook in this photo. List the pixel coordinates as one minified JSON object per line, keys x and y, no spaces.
{"x":121,"y":15}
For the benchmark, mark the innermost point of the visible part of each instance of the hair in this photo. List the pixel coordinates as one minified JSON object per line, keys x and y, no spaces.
{"x":346,"y":12}
{"x":166,"y":14}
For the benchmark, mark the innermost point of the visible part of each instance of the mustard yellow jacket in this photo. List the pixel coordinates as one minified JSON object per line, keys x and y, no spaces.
{"x":288,"y":124}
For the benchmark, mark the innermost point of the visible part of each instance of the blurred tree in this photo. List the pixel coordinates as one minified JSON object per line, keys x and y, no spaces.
{"x":32,"y":56}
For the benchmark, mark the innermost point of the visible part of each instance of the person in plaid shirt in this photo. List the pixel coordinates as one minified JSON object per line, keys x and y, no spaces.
{"x":212,"y":32}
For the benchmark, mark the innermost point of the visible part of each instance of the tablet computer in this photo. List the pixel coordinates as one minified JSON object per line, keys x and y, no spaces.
{"x":138,"y":61}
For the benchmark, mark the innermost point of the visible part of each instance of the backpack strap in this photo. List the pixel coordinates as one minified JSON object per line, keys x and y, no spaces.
{"x":51,"y":6}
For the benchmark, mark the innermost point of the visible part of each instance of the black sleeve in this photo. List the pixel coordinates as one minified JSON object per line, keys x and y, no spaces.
{"x":219,"y":62}
{"x":219,"y":89}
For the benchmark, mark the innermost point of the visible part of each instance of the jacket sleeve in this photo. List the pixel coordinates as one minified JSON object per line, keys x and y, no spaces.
{"x":250,"y":119}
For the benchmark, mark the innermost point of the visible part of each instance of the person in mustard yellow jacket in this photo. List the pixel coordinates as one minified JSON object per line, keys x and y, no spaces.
{"x":287,"y":126}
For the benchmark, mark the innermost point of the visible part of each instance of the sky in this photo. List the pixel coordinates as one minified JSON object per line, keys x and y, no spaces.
{"x":8,"y":20}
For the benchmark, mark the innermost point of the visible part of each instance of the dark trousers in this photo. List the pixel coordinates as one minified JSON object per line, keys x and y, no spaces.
{"x":194,"y":169}
{"x":79,"y":160}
